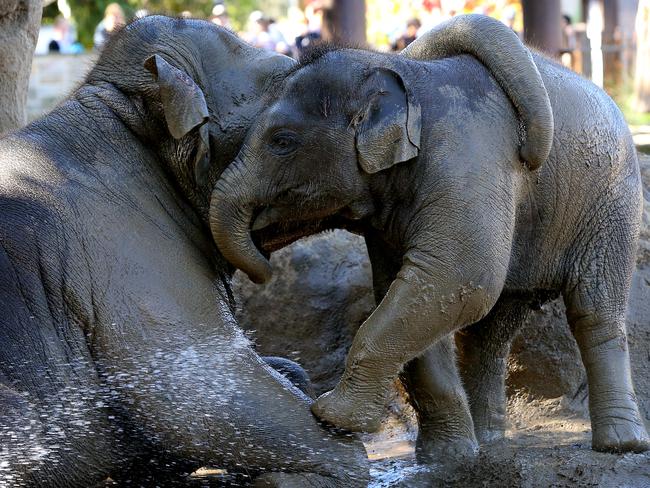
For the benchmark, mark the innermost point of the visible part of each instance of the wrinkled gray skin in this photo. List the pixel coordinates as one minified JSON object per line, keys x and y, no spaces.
{"x":423,"y":158}
{"x":119,"y":354}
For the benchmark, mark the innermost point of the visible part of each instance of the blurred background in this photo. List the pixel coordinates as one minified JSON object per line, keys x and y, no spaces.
{"x":607,"y":41}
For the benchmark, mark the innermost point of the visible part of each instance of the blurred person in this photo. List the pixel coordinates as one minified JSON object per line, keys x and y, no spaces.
{"x":220,"y":16}
{"x":568,"y":42}
{"x":258,"y":31}
{"x":64,"y":37}
{"x":313,"y":23}
{"x":281,"y":45}
{"x":113,"y":20}
{"x":411,"y":33}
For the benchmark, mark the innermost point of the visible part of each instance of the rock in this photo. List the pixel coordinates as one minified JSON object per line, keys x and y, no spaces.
{"x":320,"y":293}
{"x":544,"y":359}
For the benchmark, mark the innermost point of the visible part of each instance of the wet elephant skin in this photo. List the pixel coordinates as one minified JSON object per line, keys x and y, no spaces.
{"x":119,"y":353}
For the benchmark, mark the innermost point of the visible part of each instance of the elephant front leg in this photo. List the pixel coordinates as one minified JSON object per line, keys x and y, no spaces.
{"x":419,"y":309}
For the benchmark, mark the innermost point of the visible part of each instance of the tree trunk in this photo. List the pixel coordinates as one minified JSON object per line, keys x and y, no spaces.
{"x":19,"y":24}
{"x":542,"y":25}
{"x":642,"y":74}
{"x":611,"y":45}
{"x":345,"y":22}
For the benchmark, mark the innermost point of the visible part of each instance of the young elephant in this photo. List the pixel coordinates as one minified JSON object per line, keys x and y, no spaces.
{"x":424,"y":159}
{"x":119,"y":352}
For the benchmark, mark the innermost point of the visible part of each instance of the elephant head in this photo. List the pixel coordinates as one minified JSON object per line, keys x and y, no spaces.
{"x":345,"y":119}
{"x":191,"y":91}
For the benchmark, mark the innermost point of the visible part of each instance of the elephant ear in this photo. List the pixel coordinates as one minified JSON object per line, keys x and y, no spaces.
{"x":183,"y":101}
{"x":388,"y":127}
{"x":185,"y":109}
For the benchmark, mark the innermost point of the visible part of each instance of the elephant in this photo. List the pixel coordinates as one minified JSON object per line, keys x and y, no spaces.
{"x":120,"y":355}
{"x":485,"y":180}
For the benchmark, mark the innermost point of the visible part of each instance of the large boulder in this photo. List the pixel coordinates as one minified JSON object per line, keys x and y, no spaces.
{"x":309,"y":311}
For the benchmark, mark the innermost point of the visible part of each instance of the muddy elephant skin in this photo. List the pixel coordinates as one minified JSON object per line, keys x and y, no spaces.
{"x":471,"y":217}
{"x":119,"y":353}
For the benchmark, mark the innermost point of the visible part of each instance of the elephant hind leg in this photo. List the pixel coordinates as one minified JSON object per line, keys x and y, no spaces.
{"x":596,"y":314}
{"x":445,"y":426}
{"x":484,"y":349}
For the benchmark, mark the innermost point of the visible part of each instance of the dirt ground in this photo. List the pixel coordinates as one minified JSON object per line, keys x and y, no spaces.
{"x":547,"y":445}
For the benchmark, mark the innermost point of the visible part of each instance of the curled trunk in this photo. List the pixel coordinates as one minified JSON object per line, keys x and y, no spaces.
{"x":510,"y":62}
{"x":231,"y":210}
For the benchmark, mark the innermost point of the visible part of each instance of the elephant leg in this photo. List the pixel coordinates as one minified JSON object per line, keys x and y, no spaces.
{"x":216,"y":402}
{"x":596,"y":309}
{"x":431,"y":380}
{"x":436,"y":393}
{"x":484,"y":349}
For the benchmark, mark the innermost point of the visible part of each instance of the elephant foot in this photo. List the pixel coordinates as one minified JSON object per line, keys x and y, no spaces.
{"x":446,"y":433}
{"x":350,"y":411}
{"x":293,"y":372}
{"x":433,"y":449}
{"x":618,"y":434}
{"x":486,"y":436}
{"x":490,"y":423}
{"x":296,"y":480}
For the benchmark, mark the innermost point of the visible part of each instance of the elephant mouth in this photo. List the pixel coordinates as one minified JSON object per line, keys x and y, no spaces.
{"x":270,"y":236}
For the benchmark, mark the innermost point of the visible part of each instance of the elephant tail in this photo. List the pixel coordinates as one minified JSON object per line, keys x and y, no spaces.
{"x":510,"y":62}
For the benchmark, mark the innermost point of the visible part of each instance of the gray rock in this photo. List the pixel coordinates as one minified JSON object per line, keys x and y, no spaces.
{"x":320,"y":293}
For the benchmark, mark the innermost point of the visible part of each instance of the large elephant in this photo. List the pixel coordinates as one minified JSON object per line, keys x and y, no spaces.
{"x":425,"y":159}
{"x":119,"y":347}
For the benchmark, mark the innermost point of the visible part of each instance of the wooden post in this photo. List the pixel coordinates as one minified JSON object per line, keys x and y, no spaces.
{"x":344,"y":21}
{"x":543,"y":25}
{"x":611,"y":45}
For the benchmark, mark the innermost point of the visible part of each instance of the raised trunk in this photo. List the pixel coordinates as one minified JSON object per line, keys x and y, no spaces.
{"x":231,"y":211}
{"x":509,"y":61}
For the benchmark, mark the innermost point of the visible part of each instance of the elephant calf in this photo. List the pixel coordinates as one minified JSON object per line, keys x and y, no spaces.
{"x":424,"y":158}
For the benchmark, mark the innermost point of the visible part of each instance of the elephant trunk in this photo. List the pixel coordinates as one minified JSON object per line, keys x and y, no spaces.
{"x":231,"y":210}
{"x":510,"y":62}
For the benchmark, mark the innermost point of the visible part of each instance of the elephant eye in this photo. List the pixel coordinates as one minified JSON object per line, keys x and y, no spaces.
{"x":283,"y":143}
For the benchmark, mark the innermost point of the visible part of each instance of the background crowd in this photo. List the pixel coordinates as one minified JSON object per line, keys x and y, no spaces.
{"x":607,"y":41}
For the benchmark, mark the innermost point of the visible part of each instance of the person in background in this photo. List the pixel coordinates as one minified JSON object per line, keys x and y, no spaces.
{"x":220,"y":16}
{"x":412,"y":27}
{"x":568,"y":44}
{"x":312,"y":25}
{"x":64,"y":37}
{"x":258,"y":31}
{"x":113,"y":19}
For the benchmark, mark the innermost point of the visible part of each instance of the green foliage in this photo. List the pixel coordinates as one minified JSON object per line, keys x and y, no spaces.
{"x":50,"y":13}
{"x":88,"y":13}
{"x":239,"y":10}
{"x":198,"y":8}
